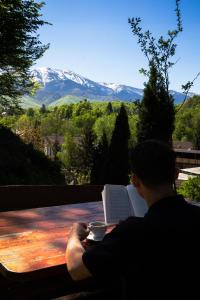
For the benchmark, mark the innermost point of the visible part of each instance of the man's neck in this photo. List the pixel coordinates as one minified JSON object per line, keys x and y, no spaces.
{"x":153,"y":195}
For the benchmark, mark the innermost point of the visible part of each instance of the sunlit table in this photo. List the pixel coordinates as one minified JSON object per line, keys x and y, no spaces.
{"x":33,"y":241}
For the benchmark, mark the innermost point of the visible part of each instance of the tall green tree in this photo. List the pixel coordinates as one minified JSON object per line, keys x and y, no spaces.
{"x":109,"y":108}
{"x":117,"y":166}
{"x":87,"y":147}
{"x":100,"y":158}
{"x":156,"y":111}
{"x":20,"y":47}
{"x":43,"y":109}
{"x":159,"y":53}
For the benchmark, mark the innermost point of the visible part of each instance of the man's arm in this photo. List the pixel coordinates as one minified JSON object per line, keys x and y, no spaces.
{"x":74,"y":252}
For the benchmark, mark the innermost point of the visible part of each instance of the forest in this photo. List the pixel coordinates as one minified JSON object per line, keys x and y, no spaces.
{"x":81,"y":133}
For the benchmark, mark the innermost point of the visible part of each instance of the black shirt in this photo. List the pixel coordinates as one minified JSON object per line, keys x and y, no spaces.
{"x":158,"y":255}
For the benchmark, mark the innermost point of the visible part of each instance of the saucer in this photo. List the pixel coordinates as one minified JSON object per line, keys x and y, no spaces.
{"x":91,"y":237}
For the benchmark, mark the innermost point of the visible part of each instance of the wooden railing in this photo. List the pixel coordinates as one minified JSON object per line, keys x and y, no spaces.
{"x":17,"y":197}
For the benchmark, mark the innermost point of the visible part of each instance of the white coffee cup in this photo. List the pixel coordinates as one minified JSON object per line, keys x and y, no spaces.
{"x":97,"y":230}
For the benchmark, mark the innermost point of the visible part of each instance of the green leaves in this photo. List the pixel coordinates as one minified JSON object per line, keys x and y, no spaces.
{"x":20,"y":47}
{"x":191,"y":189}
{"x":158,"y":51}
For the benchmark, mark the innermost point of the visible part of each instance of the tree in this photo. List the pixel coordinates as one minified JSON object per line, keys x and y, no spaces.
{"x":99,"y":161}
{"x":20,"y":47}
{"x":105,"y":123}
{"x":184,"y":125}
{"x":158,"y":53}
{"x":156,"y":111}
{"x":22,"y":164}
{"x":43,"y":109}
{"x":117,"y":166}
{"x":109,"y":108}
{"x":87,"y":150}
{"x":191,"y":188}
{"x":28,"y":129}
{"x":30,"y":112}
{"x":196,"y":132}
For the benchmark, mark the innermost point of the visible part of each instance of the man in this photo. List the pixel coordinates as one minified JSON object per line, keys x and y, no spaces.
{"x":155,"y":256}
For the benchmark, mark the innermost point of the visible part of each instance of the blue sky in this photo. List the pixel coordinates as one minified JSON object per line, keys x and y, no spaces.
{"x":93,"y":38}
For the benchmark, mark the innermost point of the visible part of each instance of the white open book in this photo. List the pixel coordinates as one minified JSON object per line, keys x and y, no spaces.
{"x":121,"y":202}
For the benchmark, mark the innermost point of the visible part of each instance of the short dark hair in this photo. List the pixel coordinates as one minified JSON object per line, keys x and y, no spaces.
{"x":154,"y":162}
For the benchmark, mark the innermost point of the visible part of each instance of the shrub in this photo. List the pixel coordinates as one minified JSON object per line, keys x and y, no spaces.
{"x":191,"y":188}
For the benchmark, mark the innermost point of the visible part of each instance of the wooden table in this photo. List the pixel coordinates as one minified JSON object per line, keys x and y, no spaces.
{"x":33,"y":241}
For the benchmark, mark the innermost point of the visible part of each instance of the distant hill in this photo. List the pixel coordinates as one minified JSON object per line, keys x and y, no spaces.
{"x":65,"y":86}
{"x":66,"y":100}
{"x":27,"y":101}
{"x":192,"y":102}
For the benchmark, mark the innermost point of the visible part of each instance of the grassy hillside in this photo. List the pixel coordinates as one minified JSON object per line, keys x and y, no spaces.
{"x":66,"y":100}
{"x":28,"y":101}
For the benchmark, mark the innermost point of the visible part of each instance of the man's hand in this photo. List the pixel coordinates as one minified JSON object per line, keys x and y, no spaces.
{"x":75,"y":250}
{"x":79,"y":230}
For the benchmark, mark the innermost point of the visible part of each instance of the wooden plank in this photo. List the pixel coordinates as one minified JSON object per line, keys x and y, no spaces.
{"x":63,"y":213}
{"x":27,"y":196}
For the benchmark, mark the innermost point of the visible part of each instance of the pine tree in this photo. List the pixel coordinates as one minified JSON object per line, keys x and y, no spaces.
{"x":117,"y":166}
{"x":156,"y":111}
{"x":43,"y":109}
{"x":99,"y":161}
{"x":87,"y":150}
{"x":109,"y":108}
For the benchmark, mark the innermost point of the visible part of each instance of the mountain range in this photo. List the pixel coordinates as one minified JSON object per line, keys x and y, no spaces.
{"x":64,"y":86}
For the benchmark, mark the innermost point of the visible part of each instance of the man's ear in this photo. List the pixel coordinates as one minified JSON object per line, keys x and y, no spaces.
{"x":135,"y":181}
{"x":177,"y":170}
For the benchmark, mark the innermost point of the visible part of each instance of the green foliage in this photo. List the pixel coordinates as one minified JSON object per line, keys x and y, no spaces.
{"x":21,"y":164}
{"x":43,"y":109}
{"x":20,"y":47}
{"x":69,"y":153}
{"x":187,"y":126}
{"x":52,"y":124}
{"x":160,"y":51}
{"x":193,"y":102}
{"x":156,"y":111}
{"x":184,"y":126}
{"x":87,"y":128}
{"x":109,"y":108}
{"x":28,"y":129}
{"x":196,"y":131}
{"x":77,"y":156}
{"x":26,"y":102}
{"x":30,"y":112}
{"x":86,"y":119}
{"x":82,"y":108}
{"x":8,"y":121}
{"x":68,"y":99}
{"x":191,"y":189}
{"x":105,"y":124}
{"x":100,"y":158}
{"x":133,"y":121}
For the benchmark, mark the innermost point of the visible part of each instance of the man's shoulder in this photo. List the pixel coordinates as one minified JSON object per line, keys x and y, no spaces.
{"x":194,"y":210}
{"x":132,"y":224}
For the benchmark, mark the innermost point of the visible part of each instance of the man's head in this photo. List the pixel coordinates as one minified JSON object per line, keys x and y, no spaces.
{"x":153,"y":164}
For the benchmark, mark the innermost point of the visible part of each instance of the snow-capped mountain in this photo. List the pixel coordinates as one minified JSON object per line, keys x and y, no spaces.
{"x":56,"y":83}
